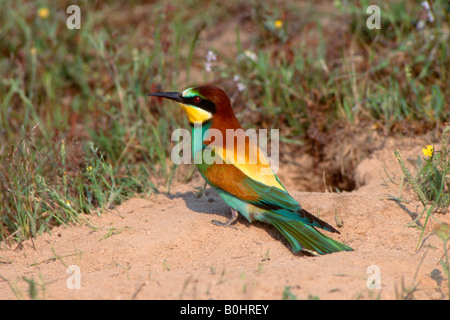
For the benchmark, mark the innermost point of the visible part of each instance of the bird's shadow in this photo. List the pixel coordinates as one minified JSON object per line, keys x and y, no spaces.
{"x":207,"y":201}
{"x":204,"y":201}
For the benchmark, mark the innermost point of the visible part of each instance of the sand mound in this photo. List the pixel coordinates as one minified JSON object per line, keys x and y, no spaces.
{"x":166,"y":247}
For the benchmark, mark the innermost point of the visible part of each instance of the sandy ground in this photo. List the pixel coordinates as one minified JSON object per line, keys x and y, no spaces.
{"x":166,"y":247}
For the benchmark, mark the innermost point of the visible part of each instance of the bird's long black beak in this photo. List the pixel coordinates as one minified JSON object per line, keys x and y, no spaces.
{"x":176,"y":96}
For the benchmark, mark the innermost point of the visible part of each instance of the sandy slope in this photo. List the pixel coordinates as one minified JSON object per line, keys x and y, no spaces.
{"x":167,"y":248}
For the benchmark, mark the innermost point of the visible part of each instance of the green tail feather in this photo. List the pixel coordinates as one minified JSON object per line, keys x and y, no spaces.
{"x":303,"y":236}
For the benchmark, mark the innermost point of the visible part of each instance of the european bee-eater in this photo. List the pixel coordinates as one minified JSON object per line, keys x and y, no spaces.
{"x":250,"y":188}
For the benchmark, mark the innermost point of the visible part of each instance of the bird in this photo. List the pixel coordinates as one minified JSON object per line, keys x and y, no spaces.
{"x":243,"y":177}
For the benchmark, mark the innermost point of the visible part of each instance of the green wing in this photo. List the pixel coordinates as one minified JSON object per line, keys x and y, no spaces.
{"x":230,"y":179}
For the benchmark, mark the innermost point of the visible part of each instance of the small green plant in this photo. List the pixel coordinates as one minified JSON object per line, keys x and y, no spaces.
{"x":405,"y":292}
{"x":33,"y":288}
{"x":433,"y":173}
{"x":287,"y":294}
{"x":432,"y":183}
{"x":111,"y":231}
{"x":166,"y":265}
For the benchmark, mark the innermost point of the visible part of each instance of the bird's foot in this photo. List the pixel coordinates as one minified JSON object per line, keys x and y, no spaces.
{"x":234,"y":217}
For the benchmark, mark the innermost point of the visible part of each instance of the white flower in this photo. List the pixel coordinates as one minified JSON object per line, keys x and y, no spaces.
{"x":251,"y":55}
{"x":211,"y":56}
{"x":426,"y":5}
{"x":420,"y":25}
{"x":241,"y":87}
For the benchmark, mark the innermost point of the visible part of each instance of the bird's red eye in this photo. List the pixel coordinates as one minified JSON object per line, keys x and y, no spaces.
{"x":197,"y":99}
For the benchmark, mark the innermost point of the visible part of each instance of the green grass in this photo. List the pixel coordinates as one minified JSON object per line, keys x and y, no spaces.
{"x":79,"y":135}
{"x":432,"y":187}
{"x":432,"y":182}
{"x":287,"y":294}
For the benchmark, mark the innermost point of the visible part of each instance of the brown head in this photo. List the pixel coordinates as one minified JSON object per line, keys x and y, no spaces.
{"x":205,"y":104}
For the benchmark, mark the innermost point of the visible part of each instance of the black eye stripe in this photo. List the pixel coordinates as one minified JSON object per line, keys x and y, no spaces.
{"x":203,"y":104}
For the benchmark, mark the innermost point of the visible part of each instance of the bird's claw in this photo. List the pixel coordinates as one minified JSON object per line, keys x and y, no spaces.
{"x":226,"y":224}
{"x":234,"y":217}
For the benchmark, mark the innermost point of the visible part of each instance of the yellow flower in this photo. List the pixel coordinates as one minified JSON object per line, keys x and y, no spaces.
{"x":278,"y":24}
{"x":89,"y":169}
{"x":428,"y":152}
{"x":43,"y":13}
